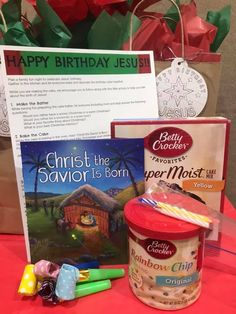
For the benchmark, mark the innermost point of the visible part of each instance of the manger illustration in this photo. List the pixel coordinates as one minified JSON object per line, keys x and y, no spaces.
{"x":90,"y":208}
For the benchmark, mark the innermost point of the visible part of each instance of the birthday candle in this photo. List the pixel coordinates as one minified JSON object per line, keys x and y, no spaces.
{"x":179,"y":213}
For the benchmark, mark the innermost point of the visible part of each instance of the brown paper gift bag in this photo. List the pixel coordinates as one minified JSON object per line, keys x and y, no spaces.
{"x":155,"y":35}
{"x":10,"y":221}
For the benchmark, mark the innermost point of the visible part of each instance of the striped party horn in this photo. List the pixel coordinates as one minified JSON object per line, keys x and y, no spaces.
{"x":178,"y":212}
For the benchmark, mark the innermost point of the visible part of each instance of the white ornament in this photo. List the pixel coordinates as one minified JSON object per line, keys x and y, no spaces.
{"x":181,"y":91}
{"x":4,"y":124}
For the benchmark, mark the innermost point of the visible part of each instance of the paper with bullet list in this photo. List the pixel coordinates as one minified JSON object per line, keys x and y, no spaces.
{"x":60,"y":94}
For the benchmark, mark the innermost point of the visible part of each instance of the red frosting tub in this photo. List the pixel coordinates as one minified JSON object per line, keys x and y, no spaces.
{"x":165,"y":255}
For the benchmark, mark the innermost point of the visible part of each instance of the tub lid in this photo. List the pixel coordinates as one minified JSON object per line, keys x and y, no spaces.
{"x":149,"y":222}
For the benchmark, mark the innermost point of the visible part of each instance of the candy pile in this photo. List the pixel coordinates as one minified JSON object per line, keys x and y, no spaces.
{"x":56,"y":284}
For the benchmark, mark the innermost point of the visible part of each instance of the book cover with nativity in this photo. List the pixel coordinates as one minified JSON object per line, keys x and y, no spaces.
{"x":75,"y":191}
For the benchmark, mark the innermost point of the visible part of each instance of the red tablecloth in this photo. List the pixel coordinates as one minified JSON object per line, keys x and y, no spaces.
{"x":218,"y":292}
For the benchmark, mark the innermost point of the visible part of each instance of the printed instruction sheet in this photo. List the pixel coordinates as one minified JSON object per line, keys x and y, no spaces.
{"x":60,"y":94}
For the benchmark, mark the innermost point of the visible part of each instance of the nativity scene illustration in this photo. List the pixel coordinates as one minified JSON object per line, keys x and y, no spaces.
{"x":89,"y":208}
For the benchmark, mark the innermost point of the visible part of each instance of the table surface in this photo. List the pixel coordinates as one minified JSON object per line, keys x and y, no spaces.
{"x":218,"y":291}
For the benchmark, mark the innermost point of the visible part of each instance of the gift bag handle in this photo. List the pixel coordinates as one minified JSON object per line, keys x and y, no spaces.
{"x":3,"y":21}
{"x":180,"y":18}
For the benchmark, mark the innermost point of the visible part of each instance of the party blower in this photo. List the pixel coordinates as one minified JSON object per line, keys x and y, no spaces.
{"x":67,"y":286}
{"x":100,"y":274}
{"x":50,"y":292}
{"x":82,"y":290}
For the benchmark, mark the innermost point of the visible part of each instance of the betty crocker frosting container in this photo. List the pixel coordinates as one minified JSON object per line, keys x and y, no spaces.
{"x":165,"y":255}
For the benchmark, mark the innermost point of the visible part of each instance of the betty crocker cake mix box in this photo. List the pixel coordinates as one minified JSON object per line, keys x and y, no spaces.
{"x":190,"y":155}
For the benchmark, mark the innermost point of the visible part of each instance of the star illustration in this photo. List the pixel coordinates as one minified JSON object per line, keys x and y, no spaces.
{"x":3,"y":103}
{"x":178,"y":91}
